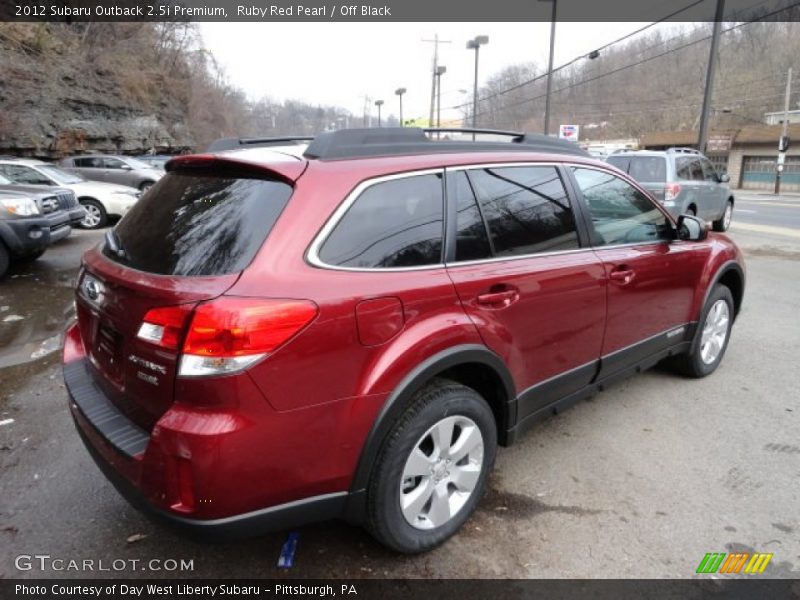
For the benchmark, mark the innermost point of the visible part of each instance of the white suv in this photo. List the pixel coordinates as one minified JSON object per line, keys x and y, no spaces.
{"x":101,"y":200}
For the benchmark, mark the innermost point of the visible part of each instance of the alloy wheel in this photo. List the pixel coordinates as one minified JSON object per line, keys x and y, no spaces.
{"x":715,"y":331}
{"x":92,"y":217}
{"x":442,"y":472}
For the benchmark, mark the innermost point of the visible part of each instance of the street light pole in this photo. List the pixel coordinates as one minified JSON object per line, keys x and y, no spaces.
{"x":400,"y":92}
{"x":550,"y":67}
{"x":475,"y":44}
{"x":379,"y":103}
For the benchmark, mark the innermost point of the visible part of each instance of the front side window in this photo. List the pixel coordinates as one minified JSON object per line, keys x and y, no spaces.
{"x":394,"y":223}
{"x":113,"y":163}
{"x":620,"y":213}
{"x":526,"y":209}
{"x":472,"y":243}
{"x":89,"y":162}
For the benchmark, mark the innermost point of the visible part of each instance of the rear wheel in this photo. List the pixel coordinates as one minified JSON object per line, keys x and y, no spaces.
{"x":146,"y":185}
{"x":691,"y":210}
{"x":96,"y":216}
{"x":432,"y":469}
{"x":724,"y":221}
{"x":711,"y":339}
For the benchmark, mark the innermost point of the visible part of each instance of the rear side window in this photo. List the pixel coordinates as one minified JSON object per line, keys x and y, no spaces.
{"x":526,"y":209}
{"x":199,"y":224}
{"x":648,"y":169}
{"x":395,"y":223}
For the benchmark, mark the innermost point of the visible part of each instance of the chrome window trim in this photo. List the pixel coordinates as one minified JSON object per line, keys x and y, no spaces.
{"x":312,"y":255}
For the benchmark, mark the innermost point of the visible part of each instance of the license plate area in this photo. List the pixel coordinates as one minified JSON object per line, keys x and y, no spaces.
{"x":107,"y":351}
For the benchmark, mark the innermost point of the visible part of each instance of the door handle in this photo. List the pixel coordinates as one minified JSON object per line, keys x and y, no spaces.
{"x":499,"y":299}
{"x":622,"y":275}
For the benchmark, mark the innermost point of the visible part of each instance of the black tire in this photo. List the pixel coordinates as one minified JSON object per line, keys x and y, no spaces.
{"x":99,"y":211}
{"x":692,"y":364}
{"x":5,"y":259}
{"x":691,"y":210}
{"x":724,"y":221}
{"x":146,"y":185}
{"x":441,"y":399}
{"x":29,"y":258}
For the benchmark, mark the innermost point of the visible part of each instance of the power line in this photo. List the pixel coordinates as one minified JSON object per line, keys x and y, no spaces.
{"x":643,"y":61}
{"x":582,"y":56}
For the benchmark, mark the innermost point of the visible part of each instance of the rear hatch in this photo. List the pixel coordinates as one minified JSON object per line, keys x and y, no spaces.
{"x":649,"y":171}
{"x":187,"y":240}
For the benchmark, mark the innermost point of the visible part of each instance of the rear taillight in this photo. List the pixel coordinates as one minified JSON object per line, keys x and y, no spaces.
{"x":164,"y":326}
{"x":671,"y":191}
{"x":229,"y":334}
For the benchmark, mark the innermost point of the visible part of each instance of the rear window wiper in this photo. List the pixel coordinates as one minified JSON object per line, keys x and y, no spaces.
{"x":114,"y":245}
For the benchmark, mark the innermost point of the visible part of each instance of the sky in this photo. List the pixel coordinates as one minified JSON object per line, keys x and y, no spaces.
{"x":339,"y":64}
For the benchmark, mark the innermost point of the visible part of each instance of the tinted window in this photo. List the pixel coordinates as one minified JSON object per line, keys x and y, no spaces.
{"x":396,"y":223}
{"x":90,"y":162}
{"x":620,"y":213}
{"x":526,"y":209}
{"x":198,"y":224}
{"x":472,"y":243}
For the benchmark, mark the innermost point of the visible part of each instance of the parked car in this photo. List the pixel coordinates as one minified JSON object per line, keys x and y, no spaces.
{"x":29,"y":222}
{"x":101,"y":201}
{"x":351,"y":329}
{"x":123,"y":170}
{"x":683,"y":180}
{"x":156,"y":161}
{"x":59,"y":204}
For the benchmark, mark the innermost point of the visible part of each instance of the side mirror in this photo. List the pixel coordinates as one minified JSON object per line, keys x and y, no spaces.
{"x":691,"y":228}
{"x":724,"y":178}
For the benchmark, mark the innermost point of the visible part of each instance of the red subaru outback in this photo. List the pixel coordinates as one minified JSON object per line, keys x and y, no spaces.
{"x":277,"y":334}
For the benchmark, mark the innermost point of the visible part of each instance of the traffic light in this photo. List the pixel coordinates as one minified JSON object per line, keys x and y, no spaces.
{"x":783,"y":143}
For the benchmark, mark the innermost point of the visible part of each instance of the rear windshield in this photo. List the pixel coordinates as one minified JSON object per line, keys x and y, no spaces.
{"x":642,"y":168}
{"x":198,"y":224}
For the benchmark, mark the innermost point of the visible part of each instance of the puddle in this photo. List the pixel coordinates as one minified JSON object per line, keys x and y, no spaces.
{"x":35,"y":307}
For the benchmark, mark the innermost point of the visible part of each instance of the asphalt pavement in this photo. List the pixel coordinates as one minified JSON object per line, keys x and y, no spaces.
{"x":641,"y":481}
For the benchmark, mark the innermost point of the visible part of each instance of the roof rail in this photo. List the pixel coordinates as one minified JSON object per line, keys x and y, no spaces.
{"x":683,"y":150}
{"x":223,"y":144}
{"x":393,"y":141}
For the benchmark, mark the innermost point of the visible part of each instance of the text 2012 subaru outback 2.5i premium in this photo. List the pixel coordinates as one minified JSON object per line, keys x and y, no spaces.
{"x":275,"y":335}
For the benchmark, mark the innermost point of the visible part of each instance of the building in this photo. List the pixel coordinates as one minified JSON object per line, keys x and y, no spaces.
{"x":749,"y":155}
{"x":776,"y":118}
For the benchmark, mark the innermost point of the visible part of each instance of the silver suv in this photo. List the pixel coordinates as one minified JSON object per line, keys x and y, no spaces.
{"x":123,"y":170}
{"x":681,"y":179}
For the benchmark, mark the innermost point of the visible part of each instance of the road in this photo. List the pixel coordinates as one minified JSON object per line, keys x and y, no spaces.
{"x":766,"y":213}
{"x":641,"y":481}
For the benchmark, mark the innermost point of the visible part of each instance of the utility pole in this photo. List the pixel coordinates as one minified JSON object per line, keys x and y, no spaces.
{"x":550,"y":68}
{"x":702,"y":137}
{"x":783,"y":143}
{"x":367,"y":111}
{"x":435,"y":41}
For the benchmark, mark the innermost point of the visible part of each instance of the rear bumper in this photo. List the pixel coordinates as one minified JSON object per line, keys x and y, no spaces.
{"x":140,"y":465}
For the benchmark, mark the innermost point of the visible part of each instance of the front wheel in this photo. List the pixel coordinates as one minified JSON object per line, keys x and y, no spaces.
{"x":432,"y":469}
{"x":95,"y":217}
{"x":724,"y":221}
{"x":711,"y":339}
{"x":145,"y":186}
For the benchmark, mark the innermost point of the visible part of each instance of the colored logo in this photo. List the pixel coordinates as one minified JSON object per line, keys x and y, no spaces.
{"x":740,"y":562}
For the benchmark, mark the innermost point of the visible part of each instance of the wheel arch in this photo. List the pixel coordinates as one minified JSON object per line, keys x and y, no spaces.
{"x":731,"y":275}
{"x":472,"y":365}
